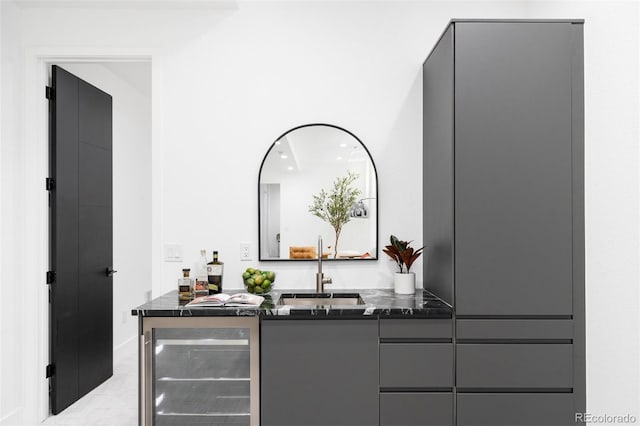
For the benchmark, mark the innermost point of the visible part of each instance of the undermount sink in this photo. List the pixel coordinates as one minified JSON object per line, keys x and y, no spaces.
{"x":320,"y":299}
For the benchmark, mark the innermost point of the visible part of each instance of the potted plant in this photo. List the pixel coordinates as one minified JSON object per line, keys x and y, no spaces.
{"x":333,"y":207}
{"x":404,"y":255}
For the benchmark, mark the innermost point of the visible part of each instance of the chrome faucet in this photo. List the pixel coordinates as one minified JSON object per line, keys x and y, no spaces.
{"x":320,"y":279}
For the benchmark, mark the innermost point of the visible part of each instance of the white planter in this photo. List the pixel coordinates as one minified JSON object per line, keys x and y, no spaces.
{"x":404,"y":283}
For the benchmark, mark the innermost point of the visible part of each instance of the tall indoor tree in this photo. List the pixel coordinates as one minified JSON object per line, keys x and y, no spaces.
{"x":333,"y":206}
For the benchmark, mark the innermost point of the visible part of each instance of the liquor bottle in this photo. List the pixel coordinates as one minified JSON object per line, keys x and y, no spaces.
{"x":214,"y":274}
{"x":185,"y":286}
{"x":202,"y":281}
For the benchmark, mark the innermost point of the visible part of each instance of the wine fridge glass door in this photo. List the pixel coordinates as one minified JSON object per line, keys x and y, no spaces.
{"x":203,"y":371}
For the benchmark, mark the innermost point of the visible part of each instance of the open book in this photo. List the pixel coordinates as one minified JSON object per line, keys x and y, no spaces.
{"x":223,"y":299}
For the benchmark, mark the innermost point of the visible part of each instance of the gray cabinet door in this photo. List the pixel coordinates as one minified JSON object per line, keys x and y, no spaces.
{"x":514,"y":329}
{"x":511,"y":366}
{"x":416,"y":328}
{"x":416,"y":409}
{"x":319,"y":372}
{"x":498,"y":409}
{"x":416,"y":365}
{"x":513,"y":169}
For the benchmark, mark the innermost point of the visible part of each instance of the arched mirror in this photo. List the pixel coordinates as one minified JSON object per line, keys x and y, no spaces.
{"x":318,"y":179}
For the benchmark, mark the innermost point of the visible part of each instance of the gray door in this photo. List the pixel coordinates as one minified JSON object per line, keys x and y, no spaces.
{"x":81,"y":238}
{"x":513,"y":202}
{"x":319,"y":372}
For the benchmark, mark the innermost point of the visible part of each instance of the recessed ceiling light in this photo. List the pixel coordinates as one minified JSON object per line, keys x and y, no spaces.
{"x":343,"y":145}
{"x":290,"y":168}
{"x":278,"y":142}
{"x":284,"y":156}
{"x":339,"y":158}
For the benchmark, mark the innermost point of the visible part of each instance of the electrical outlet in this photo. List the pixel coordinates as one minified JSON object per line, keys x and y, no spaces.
{"x":245,"y":251}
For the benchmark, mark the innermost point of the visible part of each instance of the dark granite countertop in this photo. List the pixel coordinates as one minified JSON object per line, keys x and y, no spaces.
{"x":378,"y":303}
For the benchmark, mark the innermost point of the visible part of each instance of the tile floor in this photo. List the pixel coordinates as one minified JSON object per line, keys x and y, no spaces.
{"x":113,"y":403}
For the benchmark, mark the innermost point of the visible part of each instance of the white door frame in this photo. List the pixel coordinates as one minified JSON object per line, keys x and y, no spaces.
{"x":36,"y":127}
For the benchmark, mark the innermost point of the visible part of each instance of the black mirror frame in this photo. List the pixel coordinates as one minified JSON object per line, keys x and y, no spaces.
{"x":375,"y":171}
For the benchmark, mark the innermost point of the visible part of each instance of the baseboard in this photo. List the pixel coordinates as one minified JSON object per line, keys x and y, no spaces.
{"x":125,"y":349}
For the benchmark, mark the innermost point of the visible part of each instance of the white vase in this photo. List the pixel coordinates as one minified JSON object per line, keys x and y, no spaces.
{"x":404,"y":283}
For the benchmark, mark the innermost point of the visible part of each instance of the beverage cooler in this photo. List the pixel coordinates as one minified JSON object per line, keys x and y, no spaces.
{"x":199,"y":371}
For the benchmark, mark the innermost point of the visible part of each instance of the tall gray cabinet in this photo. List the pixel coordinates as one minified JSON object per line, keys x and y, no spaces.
{"x":504,"y":215}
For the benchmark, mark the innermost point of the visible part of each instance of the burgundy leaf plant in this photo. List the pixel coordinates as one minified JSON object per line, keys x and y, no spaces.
{"x":402,"y":253}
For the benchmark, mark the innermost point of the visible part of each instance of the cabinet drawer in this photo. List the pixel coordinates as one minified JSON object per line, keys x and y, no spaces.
{"x":415,"y":328}
{"x":416,"y":409}
{"x":524,"y":366}
{"x":522,"y":409}
{"x":416,"y":365}
{"x":514,"y":329}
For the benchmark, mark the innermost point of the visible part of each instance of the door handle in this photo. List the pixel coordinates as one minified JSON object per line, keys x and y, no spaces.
{"x":110,"y":271}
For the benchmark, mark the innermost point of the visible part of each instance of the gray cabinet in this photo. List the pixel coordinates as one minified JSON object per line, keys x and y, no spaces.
{"x":416,"y":372}
{"x":504,"y":214}
{"x":357,"y":372}
{"x":416,"y":409}
{"x":514,"y":366}
{"x":319,"y":372}
{"x":416,"y":365}
{"x":514,"y":329}
{"x":521,"y":409}
{"x":414,"y":329}
{"x":513,"y":181}
{"x":438,"y":161}
{"x":500,"y":172}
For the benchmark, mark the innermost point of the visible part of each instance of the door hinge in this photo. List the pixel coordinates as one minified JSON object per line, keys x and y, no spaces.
{"x":50,"y":184}
{"x":51,"y":370}
{"x":49,"y":93}
{"x":51,"y":277}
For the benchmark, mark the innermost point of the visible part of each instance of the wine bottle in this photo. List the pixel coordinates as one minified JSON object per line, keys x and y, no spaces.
{"x":214,"y":274}
{"x":185,"y":286}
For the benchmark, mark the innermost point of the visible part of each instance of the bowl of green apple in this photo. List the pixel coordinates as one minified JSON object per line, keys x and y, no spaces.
{"x":257,"y":281}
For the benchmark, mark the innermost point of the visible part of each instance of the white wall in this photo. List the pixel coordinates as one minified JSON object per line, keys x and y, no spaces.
{"x":268,"y":67}
{"x":230,"y":81}
{"x":131,"y":193}
{"x":12,"y":220}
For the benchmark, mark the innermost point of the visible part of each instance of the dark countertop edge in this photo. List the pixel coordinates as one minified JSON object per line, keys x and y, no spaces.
{"x":305,"y":314}
{"x":300,"y":313}
{"x":436,"y":308}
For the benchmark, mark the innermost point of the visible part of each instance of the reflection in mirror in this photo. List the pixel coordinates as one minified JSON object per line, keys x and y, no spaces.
{"x":302,"y":165}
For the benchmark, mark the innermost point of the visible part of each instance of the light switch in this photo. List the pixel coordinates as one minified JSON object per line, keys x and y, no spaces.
{"x":173,"y":252}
